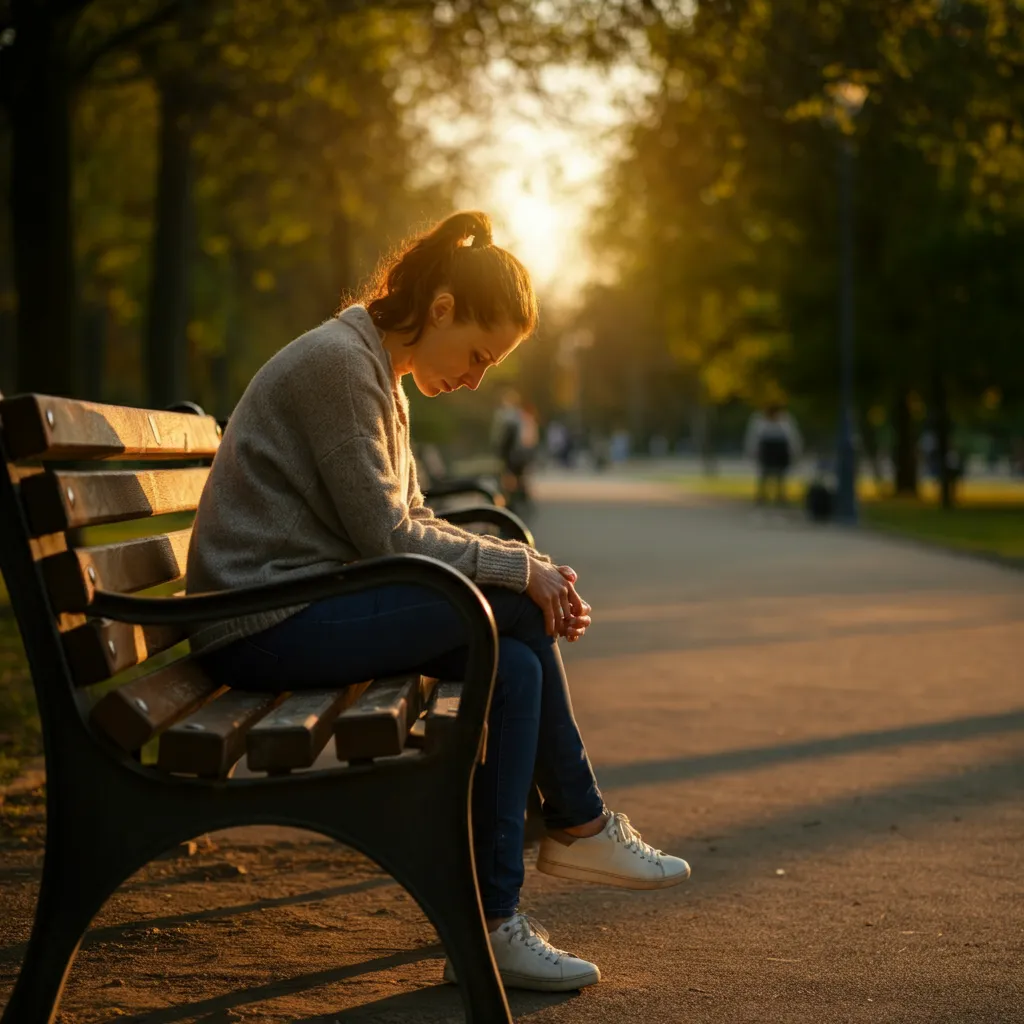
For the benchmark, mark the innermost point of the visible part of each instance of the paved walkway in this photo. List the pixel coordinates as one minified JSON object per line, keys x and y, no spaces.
{"x":828,"y":724}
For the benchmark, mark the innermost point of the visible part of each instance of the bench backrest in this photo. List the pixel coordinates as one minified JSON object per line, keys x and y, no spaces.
{"x":59,"y":503}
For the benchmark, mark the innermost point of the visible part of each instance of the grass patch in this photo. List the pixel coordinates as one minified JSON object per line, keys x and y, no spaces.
{"x":971,"y":493}
{"x":20,"y":735}
{"x":734,"y":488}
{"x":988,"y":519}
{"x":982,"y":529}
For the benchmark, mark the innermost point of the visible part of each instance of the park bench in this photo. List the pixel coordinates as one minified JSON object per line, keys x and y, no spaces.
{"x":139,"y":759}
{"x":441,"y":487}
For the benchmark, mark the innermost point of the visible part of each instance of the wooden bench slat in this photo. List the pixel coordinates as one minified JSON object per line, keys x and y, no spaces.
{"x":19,"y":473}
{"x":45,"y":427}
{"x":72,"y":576}
{"x":62,"y":501}
{"x":132,"y":715}
{"x":47,"y":545}
{"x":377,"y":724}
{"x":100,"y":648}
{"x":417,"y":734}
{"x":209,"y":741}
{"x":442,"y":710}
{"x":295,"y":732}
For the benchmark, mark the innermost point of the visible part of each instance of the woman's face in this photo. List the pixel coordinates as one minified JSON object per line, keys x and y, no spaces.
{"x":451,"y":355}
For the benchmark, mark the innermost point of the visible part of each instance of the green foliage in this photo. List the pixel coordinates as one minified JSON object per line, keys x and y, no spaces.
{"x":724,"y":219}
{"x":301,"y":165}
{"x":307,"y":161}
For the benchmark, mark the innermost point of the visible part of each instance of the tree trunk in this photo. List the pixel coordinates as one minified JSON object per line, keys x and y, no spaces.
{"x":638,"y":406}
{"x":94,"y":353}
{"x":708,"y":456}
{"x":225,"y":364}
{"x":940,"y":393}
{"x":870,"y":438}
{"x":702,"y":429}
{"x":8,"y":362}
{"x":341,"y":269}
{"x":905,"y":445}
{"x":41,"y":219}
{"x":167,"y":324}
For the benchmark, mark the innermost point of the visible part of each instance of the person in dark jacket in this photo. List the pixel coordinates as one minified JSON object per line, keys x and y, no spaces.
{"x":773,"y":441}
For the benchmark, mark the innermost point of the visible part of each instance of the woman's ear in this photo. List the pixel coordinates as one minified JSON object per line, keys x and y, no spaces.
{"x":442,"y":309}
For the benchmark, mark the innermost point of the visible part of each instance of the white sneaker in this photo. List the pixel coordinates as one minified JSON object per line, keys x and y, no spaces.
{"x":615,"y":856}
{"x":526,"y":959}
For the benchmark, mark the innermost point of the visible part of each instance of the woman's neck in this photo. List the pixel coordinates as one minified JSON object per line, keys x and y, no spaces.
{"x":395,"y":344}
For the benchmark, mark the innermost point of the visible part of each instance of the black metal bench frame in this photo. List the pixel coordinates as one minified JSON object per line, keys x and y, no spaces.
{"x":107,"y":815}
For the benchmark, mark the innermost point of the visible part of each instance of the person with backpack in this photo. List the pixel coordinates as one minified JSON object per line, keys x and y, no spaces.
{"x":773,"y":440}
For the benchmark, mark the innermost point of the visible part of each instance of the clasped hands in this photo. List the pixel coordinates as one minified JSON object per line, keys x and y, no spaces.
{"x":553,"y":589}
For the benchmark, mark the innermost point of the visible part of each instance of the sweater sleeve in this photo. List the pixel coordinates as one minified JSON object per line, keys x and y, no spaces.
{"x":366,"y":492}
{"x":420,"y":511}
{"x":504,"y":542}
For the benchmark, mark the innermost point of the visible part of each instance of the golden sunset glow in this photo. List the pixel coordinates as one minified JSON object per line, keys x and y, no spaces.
{"x":541,"y":177}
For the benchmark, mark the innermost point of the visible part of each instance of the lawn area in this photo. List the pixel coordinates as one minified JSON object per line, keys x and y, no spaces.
{"x":989,"y":518}
{"x":982,"y":528}
{"x":19,"y":722}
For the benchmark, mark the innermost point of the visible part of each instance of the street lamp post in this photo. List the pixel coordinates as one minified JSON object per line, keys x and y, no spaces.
{"x":849,"y":98}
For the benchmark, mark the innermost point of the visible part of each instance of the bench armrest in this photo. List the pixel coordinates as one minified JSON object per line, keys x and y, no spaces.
{"x":461,"y":592}
{"x":509,"y":523}
{"x":348,"y":579}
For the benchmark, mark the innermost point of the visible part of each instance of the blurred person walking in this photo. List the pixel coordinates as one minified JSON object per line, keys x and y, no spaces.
{"x":514,"y":436}
{"x":621,"y":445}
{"x":559,"y":443}
{"x":529,"y":446}
{"x":773,"y":441}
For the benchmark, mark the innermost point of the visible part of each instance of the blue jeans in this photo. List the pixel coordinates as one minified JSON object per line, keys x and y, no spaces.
{"x":532,"y":733}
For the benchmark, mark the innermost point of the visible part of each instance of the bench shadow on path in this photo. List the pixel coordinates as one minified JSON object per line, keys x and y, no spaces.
{"x":845,"y":820}
{"x":438,"y":1004}
{"x":619,"y":776}
{"x":849,"y":819}
{"x":216,"y":1006}
{"x":641,"y":773}
{"x":114,"y":932}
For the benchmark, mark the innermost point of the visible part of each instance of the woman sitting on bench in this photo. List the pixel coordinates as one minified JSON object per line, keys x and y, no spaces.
{"x":315,"y":470}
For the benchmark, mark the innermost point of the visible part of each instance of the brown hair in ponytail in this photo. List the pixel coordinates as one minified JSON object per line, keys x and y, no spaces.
{"x":490,"y":286}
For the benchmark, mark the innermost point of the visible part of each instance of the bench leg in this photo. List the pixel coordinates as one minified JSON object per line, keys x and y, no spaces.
{"x":438,"y":872}
{"x":466,"y":942}
{"x":421,"y":835}
{"x":67,"y":903}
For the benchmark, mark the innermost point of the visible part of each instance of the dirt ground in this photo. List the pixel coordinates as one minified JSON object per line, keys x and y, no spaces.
{"x":827,"y":724}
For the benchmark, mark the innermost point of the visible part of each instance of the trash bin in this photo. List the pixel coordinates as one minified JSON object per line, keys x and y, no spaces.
{"x":820,"y":502}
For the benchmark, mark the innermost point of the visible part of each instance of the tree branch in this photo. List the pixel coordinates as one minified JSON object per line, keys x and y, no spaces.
{"x":128,"y":35}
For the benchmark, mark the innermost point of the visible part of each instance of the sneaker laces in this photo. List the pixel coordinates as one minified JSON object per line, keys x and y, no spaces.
{"x":534,"y":936}
{"x":624,"y":832}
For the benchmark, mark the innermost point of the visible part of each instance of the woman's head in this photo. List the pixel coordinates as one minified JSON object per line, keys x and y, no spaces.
{"x":458,"y":303}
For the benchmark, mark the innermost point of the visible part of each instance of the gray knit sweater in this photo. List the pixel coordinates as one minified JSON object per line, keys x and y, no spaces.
{"x":316,"y":470}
